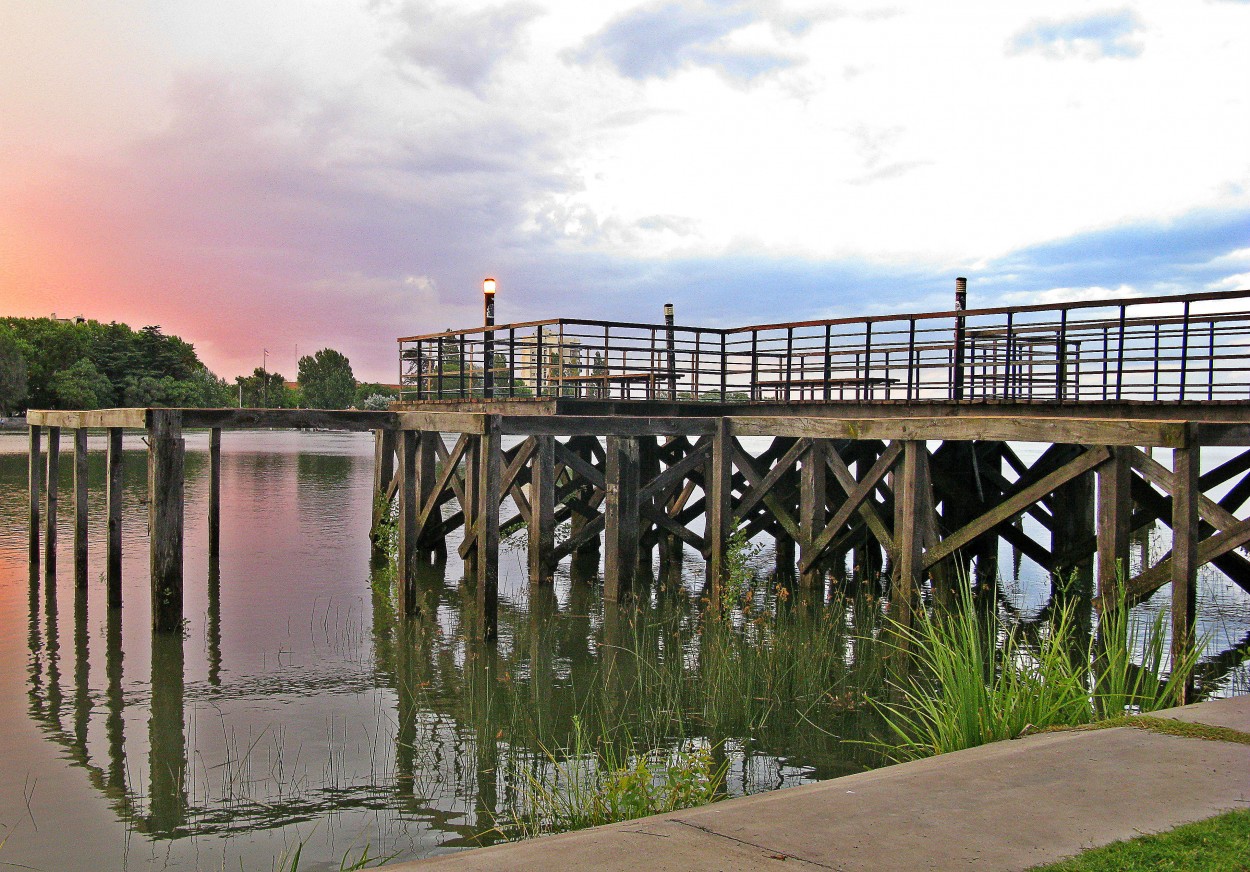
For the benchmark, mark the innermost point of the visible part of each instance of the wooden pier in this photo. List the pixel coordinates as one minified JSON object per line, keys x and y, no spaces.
{"x":916,"y":473}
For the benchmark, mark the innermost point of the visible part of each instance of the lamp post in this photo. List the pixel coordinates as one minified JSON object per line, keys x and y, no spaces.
{"x":488,"y":338}
{"x":264,"y":377}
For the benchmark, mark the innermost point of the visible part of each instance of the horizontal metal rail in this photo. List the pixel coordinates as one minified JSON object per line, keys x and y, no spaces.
{"x":1162,"y":349}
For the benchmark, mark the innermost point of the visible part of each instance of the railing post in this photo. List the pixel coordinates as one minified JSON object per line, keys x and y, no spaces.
{"x":724,"y":369}
{"x":1061,"y":363}
{"x":961,"y":302}
{"x":1184,"y":349}
{"x":670,"y":341}
{"x":540,"y":361}
{"x":912,"y":363}
{"x":1119,"y":369}
{"x":755,"y":365}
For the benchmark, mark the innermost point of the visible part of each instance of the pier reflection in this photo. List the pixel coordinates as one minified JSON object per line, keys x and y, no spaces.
{"x":464,"y":727}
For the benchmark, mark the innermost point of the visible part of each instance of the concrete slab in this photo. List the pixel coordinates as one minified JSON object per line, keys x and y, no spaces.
{"x":1233,"y":713}
{"x":1006,"y":806}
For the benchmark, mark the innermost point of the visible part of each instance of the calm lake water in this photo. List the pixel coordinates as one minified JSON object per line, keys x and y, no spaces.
{"x":298,"y":710}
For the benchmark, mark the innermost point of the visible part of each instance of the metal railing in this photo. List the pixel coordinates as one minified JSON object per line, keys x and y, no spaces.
{"x":1163,"y":349}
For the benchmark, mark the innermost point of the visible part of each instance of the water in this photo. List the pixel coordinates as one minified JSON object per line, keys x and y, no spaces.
{"x":296,"y":709}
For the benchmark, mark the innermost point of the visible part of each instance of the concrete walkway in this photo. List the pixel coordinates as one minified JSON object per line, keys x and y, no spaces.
{"x":1010,"y":805}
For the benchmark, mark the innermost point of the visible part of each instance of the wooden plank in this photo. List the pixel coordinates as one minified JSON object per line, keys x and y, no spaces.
{"x":488,"y":495}
{"x":542,"y":523}
{"x":409,"y":522}
{"x":719,"y":501}
{"x":114,"y":480}
{"x":856,"y":496}
{"x":621,"y":517}
{"x":134,"y":419}
{"x":666,"y":480}
{"x":34,"y":480}
{"x":1015,"y":504}
{"x":762,"y":486}
{"x":165,"y":517}
{"x":572,"y":460}
{"x":1217,"y":545}
{"x":291,"y":419}
{"x":1185,"y":492}
{"x":80,"y":509}
{"x":606,"y":425}
{"x":52,"y":479}
{"x":1221,"y":434}
{"x":585,"y":534}
{"x":664,"y":522}
{"x":1115,"y":511}
{"x":1158,"y":474}
{"x":867,"y":510}
{"x":812,"y":490}
{"x":770,"y":497}
{"x":994,"y":428}
{"x":214,"y":491}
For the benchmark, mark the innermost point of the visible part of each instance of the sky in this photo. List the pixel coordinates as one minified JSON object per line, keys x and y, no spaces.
{"x":299,"y":174}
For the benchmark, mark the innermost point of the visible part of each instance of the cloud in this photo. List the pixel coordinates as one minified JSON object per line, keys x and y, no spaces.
{"x":462,"y":48}
{"x":1197,"y":251}
{"x":660,"y":39}
{"x":1099,"y":35}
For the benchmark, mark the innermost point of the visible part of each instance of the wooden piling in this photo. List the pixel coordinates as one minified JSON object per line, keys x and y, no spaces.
{"x":113,"y":500}
{"x":720,"y":519}
{"x":409,"y":509}
{"x":542,"y":497}
{"x":908,"y":535}
{"x":50,"y":504}
{"x":486,"y":523}
{"x":1186,"y":492}
{"x":1115,"y":510}
{"x":214,"y":492}
{"x":383,"y":474}
{"x":430,"y":542}
{"x":80,"y":508}
{"x":35,"y":486}
{"x":813,"y":488}
{"x":621,"y":517}
{"x":165,"y":516}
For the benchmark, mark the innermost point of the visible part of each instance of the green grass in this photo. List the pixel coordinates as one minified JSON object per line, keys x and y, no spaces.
{"x":1168,"y":727}
{"x":978,"y":679}
{"x":1221,"y":844}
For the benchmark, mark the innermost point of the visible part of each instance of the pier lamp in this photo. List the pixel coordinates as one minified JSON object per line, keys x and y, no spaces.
{"x":488,"y":338}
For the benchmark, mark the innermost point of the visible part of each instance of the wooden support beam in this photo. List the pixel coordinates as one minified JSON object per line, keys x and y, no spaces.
{"x":771,"y":496}
{"x":812,"y":489}
{"x":909,"y":477}
{"x":1115,"y":512}
{"x":447,"y":478}
{"x":383,"y":476}
{"x":486,"y":523}
{"x":214,"y":493}
{"x":114,"y":477}
{"x":857,"y":495}
{"x":867,"y":509}
{"x":1015,"y":504}
{"x":621,"y":517}
{"x":719,"y":501}
{"x":1157,"y":474}
{"x":1185,"y":493}
{"x":80,"y":508}
{"x":34,"y":480}
{"x":50,"y":504}
{"x":409,"y":515}
{"x":1209,"y":550}
{"x":542,"y":520}
{"x":165,"y":517}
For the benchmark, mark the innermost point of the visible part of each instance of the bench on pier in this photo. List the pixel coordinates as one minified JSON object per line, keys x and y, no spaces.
{"x":861,"y":387}
{"x":602,"y":382}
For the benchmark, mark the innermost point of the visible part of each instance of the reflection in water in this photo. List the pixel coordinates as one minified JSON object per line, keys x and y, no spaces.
{"x":299,"y":696}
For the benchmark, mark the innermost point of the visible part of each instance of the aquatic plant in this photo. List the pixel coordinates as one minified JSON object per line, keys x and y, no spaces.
{"x":594,"y":782}
{"x":979,"y":680}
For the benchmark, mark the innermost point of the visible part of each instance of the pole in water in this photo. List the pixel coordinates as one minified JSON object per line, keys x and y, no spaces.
{"x":672,"y":352}
{"x":961,"y":303}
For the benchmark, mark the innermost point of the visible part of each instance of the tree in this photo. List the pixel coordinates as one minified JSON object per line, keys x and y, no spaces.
{"x":12,"y":373}
{"x":327,"y":380}
{"x":82,"y":386}
{"x":265,"y":390}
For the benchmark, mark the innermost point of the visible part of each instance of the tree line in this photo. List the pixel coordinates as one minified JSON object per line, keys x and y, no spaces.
{"x":48,"y":363}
